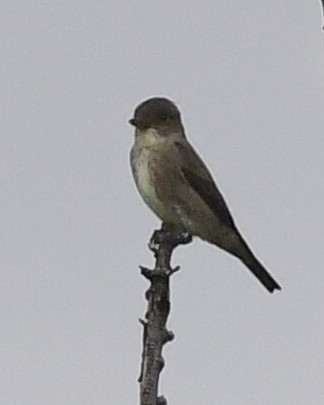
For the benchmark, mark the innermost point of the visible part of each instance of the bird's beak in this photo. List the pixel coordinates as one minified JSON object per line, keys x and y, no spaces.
{"x":132,"y":121}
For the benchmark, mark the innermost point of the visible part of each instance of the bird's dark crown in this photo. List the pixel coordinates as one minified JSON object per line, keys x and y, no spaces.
{"x":155,"y":113}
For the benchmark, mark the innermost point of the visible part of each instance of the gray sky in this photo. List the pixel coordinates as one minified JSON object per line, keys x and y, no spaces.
{"x":249,"y":80}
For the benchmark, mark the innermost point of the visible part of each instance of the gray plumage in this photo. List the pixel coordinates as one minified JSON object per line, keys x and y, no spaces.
{"x":176,"y":184}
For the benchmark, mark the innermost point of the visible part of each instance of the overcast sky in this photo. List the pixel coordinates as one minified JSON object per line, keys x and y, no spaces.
{"x":248,"y":77}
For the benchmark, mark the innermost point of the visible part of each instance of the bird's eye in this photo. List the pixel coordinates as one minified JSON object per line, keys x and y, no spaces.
{"x":164,"y":117}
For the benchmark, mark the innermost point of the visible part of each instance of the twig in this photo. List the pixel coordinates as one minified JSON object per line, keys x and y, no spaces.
{"x":155,"y":333}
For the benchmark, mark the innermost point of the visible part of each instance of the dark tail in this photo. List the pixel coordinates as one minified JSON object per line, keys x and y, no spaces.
{"x":257,"y":268}
{"x":261,"y":274}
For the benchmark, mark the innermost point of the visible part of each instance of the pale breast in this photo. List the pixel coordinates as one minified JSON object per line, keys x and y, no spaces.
{"x":145,"y":162}
{"x":144,"y":178}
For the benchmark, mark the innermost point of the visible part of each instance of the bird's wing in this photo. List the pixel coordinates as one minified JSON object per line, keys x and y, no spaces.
{"x":197,"y":175}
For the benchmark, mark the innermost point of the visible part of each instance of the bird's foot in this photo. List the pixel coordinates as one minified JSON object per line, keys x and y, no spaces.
{"x":172,"y":238}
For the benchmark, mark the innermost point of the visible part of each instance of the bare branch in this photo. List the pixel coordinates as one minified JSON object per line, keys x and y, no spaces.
{"x":155,"y":333}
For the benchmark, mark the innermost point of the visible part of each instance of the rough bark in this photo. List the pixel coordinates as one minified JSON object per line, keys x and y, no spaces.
{"x":155,"y":333}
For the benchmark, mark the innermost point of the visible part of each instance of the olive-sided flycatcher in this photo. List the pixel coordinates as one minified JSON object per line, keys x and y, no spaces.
{"x":176,"y":184}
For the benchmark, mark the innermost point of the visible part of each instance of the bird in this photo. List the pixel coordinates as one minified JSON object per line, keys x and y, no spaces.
{"x":178,"y":187}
